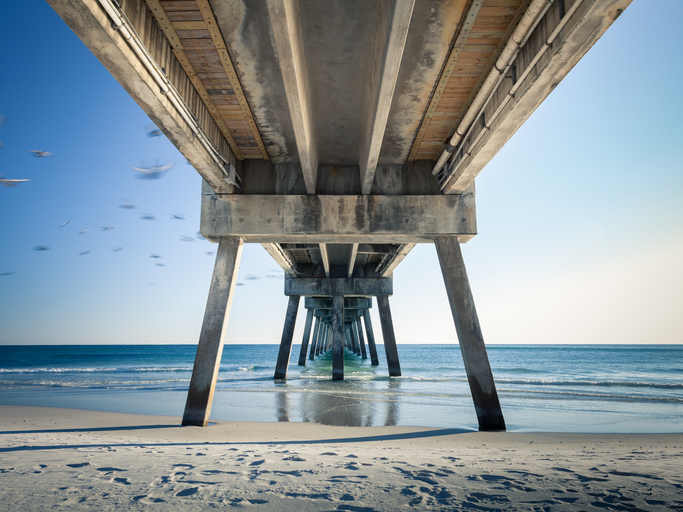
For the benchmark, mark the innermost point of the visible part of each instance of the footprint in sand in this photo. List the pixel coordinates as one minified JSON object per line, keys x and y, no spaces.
{"x":110,"y":470}
{"x":78,"y":465}
{"x":186,"y":466}
{"x":188,"y":492}
{"x":122,"y":481}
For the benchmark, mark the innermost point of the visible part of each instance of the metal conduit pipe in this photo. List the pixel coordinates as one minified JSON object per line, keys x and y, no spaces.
{"x":516,"y":86}
{"x":501,"y":77}
{"x":514,"y":43}
{"x":123,"y":25}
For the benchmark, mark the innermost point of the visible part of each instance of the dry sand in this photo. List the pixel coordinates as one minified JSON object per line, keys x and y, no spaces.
{"x":51,"y":458}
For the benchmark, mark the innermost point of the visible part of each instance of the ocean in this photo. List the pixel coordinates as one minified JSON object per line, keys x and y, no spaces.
{"x":548,"y":388}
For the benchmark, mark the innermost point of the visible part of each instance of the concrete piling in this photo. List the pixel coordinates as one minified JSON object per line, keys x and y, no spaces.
{"x":306,"y":338}
{"x":472,"y":347}
{"x":389,"y":336}
{"x":338,"y":337}
{"x":374,"y":360}
{"x":287,"y":335}
{"x":212,"y":336}
{"x":315,"y":341}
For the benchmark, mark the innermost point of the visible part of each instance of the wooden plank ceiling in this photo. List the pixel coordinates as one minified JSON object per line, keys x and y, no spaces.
{"x":197,"y":43}
{"x":481,"y":35}
{"x":196,"y":40}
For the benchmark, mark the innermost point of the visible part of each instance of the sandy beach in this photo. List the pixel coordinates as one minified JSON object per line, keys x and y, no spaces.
{"x":87,"y":460}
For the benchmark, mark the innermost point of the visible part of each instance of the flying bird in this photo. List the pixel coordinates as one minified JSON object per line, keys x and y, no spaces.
{"x":39,"y":154}
{"x":177,"y":217}
{"x":128,"y":206}
{"x":7,"y":274}
{"x":154,"y":255}
{"x":6,"y":182}
{"x":41,"y":248}
{"x":116,"y":249}
{"x":107,"y":228}
{"x":161,"y":265}
{"x":153,"y":172}
{"x":64,"y":224}
{"x":83,"y":232}
{"x":85,"y":252}
{"x":210,"y":253}
{"x":185,"y":238}
{"x":148,"y":216}
{"x":152,"y":131}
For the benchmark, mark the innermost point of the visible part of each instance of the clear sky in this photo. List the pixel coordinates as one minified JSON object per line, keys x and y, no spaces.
{"x":580,"y":216}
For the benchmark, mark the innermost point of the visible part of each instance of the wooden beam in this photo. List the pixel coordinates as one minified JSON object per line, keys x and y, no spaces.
{"x":286,"y":24}
{"x":391,"y":33}
{"x":326,"y":259}
{"x":219,"y":43}
{"x":460,"y":41}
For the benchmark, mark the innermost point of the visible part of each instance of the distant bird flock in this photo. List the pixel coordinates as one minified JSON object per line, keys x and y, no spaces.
{"x":153,"y":172}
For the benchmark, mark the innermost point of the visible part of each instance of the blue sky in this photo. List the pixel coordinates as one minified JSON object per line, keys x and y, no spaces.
{"x":580,"y":216}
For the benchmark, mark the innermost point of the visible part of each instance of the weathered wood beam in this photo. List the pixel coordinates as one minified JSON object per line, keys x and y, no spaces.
{"x":391,"y":38}
{"x":219,"y":43}
{"x":286,"y":25}
{"x":464,"y":30}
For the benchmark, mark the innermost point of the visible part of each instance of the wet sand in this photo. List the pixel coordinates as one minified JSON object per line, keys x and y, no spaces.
{"x":88,"y":460}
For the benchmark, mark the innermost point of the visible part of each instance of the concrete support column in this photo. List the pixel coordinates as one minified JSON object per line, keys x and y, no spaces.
{"x":212,"y":336}
{"x":287,"y":335}
{"x":306,"y":338}
{"x":338,"y":337}
{"x":471,"y":340}
{"x":354,"y":336}
{"x":389,"y":337}
{"x":361,"y":341}
{"x":371,"y":337}
{"x":316,"y":340}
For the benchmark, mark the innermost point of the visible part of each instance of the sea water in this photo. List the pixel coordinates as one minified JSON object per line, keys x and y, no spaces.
{"x":556,"y":388}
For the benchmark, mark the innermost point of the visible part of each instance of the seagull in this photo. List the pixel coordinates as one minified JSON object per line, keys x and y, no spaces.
{"x":41,"y":248}
{"x":128,"y":206}
{"x":64,"y":224}
{"x":210,"y":253}
{"x":84,"y":231}
{"x":116,"y":249}
{"x":85,"y":252}
{"x":148,"y":216}
{"x":185,"y":238}
{"x":39,"y":154}
{"x":7,"y":274}
{"x":152,"y":131}
{"x":6,"y":182}
{"x":107,"y":228}
{"x":153,"y":255}
{"x":153,"y":172}
{"x":239,"y":284}
{"x":177,"y":217}
{"x":161,"y":265}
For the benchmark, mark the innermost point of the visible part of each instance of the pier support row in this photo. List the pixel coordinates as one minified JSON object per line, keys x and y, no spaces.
{"x":332,"y":334}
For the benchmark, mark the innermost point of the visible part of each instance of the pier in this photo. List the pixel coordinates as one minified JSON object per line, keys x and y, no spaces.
{"x":338,"y":135}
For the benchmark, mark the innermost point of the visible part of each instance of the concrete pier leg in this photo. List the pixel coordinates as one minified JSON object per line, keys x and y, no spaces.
{"x":306,"y":338}
{"x":361,"y":341}
{"x":471,"y":340}
{"x":354,"y":337}
{"x":212,"y":336}
{"x":321,"y":343}
{"x":314,"y":343}
{"x":338,"y":337}
{"x":287,"y":335}
{"x":389,"y":336}
{"x":374,"y":360}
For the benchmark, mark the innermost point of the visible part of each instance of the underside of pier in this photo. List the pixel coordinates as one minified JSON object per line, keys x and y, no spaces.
{"x":338,"y":135}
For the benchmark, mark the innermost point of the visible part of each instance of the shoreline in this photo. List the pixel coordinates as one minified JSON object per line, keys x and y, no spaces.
{"x":111,"y":461}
